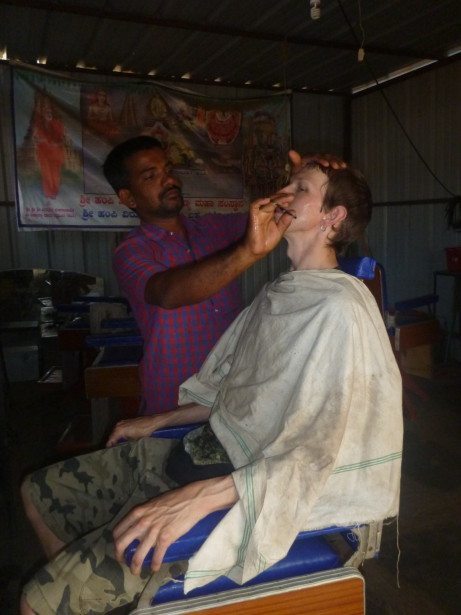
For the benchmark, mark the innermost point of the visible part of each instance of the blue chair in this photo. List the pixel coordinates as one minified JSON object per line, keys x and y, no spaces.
{"x":410,"y":323}
{"x":312,"y":553}
{"x":314,"y":557}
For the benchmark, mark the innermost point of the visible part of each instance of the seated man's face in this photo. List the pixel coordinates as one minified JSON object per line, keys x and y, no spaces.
{"x":308,"y":187}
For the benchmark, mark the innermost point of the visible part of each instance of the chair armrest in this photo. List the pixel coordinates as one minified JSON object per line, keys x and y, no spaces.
{"x":186,"y":545}
{"x":416,"y":302}
{"x":190,"y":543}
{"x":177,"y":432}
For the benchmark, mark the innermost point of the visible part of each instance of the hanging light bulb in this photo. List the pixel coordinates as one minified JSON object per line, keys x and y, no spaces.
{"x":315,"y":9}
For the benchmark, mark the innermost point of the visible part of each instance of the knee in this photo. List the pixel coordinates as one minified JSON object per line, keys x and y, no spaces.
{"x":24,"y":608}
{"x":25,"y":491}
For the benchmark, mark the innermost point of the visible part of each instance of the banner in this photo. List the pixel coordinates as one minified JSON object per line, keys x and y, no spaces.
{"x":226,"y":152}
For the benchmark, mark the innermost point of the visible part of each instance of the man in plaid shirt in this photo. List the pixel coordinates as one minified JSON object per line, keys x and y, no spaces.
{"x":179,"y":274}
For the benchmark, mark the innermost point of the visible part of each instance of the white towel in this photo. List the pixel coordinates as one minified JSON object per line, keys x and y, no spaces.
{"x":306,"y":398}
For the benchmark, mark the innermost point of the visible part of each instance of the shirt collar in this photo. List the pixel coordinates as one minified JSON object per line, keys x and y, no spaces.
{"x":154,"y":231}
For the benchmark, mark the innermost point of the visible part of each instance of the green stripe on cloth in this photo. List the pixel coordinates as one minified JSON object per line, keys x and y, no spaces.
{"x":243,"y":445}
{"x":198,"y":574}
{"x":360,"y":465}
{"x":251,"y":519}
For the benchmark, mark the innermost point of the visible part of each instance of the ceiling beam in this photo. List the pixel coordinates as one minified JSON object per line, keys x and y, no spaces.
{"x":143,"y":19}
{"x":162,"y":79}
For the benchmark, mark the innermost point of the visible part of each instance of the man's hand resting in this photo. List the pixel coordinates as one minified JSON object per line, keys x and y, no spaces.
{"x":134,"y":429}
{"x":162,"y":520}
{"x":143,"y":426}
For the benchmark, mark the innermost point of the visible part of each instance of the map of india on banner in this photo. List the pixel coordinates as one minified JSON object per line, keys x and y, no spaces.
{"x":226,"y":152}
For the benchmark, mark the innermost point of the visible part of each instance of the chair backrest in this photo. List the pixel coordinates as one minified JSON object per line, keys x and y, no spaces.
{"x":372,"y":274}
{"x":377,"y":287}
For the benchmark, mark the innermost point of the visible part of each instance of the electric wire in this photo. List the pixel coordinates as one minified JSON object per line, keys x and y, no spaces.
{"x":391,"y":109}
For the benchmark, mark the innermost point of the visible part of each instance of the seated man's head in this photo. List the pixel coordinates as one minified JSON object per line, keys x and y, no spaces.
{"x":332,"y":205}
{"x":139,"y":172}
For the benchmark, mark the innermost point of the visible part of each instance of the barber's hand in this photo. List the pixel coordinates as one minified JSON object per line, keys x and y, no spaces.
{"x":134,"y":429}
{"x":158,"y":523}
{"x":267,"y":223}
{"x":326,"y":160}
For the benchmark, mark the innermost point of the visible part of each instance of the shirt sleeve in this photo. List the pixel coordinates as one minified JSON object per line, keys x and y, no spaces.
{"x":134,"y":263}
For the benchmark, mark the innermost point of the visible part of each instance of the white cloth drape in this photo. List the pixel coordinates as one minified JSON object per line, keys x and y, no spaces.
{"x":306,"y":398}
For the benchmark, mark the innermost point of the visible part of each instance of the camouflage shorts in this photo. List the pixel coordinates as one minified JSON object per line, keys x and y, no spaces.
{"x":81,"y":500}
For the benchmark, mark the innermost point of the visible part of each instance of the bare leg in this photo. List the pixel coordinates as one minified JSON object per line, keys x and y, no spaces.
{"x":24,"y":608}
{"x":51,"y":544}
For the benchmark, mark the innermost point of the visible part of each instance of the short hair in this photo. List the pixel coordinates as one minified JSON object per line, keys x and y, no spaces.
{"x":347,"y":187}
{"x":114,"y":168}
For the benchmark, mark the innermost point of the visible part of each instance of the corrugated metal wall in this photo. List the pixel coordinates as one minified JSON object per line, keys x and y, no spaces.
{"x":410,"y":240}
{"x":317,"y":126}
{"x":68,"y":250}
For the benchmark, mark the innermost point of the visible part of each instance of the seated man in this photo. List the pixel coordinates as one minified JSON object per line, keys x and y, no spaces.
{"x":303,"y":397}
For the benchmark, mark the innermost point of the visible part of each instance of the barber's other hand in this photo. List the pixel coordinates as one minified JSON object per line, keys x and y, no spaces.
{"x":134,"y":429}
{"x":326,"y":160}
{"x":158,"y":523}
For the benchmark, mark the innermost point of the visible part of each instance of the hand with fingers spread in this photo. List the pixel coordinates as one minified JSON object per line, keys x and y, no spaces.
{"x":162,"y":520}
{"x":326,"y":160}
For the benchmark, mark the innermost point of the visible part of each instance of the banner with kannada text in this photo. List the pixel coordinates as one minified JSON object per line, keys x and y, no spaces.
{"x":226,"y":152}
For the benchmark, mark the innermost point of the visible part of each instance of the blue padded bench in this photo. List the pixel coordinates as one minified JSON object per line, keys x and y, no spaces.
{"x":120,"y":355}
{"x":111,"y":340}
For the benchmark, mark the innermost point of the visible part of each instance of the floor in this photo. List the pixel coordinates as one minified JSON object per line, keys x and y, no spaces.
{"x":428,"y":537}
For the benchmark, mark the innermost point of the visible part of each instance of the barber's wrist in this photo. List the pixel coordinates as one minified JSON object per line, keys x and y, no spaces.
{"x":247,"y":253}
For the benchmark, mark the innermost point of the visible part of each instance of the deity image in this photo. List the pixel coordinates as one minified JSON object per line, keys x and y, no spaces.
{"x":48,"y":136}
{"x":263,"y":155}
{"x":100,"y":116}
{"x":223,"y":126}
{"x":167,"y":128}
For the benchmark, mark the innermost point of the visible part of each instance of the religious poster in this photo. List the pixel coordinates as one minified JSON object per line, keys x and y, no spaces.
{"x":225,"y":152}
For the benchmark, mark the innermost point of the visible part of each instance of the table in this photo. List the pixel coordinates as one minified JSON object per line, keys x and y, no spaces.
{"x":111,"y":383}
{"x":114,"y":373}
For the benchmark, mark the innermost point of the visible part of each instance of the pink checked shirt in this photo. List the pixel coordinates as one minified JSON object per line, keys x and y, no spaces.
{"x":176,"y":342}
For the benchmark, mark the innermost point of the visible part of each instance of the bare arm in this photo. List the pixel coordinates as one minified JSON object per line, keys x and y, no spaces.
{"x":142,"y":426}
{"x":195,"y":282}
{"x":161,"y":521}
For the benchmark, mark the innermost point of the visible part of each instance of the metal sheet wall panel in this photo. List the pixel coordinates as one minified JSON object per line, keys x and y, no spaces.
{"x":410,"y":240}
{"x":318,"y":123}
